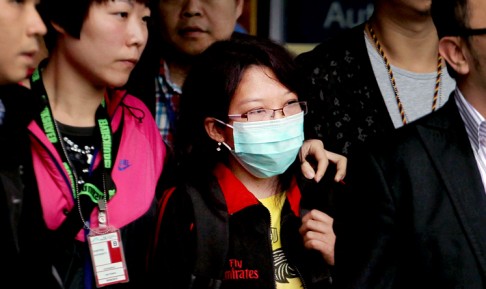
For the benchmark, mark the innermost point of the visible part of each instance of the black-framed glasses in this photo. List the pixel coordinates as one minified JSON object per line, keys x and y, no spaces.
{"x":472,"y":31}
{"x":269,"y":113}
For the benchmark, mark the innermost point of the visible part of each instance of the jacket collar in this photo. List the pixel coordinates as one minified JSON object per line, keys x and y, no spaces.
{"x":238,"y":197}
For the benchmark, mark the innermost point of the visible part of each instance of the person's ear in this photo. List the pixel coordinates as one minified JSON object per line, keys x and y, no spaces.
{"x":454,"y":50}
{"x":214,"y":129}
{"x":58,"y":28}
{"x":239,"y":7}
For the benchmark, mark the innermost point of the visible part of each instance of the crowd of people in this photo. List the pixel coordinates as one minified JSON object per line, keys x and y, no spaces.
{"x":155,"y":146}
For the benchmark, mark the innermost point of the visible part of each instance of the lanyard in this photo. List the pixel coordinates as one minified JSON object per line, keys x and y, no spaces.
{"x":99,"y":197}
{"x":53,"y":134}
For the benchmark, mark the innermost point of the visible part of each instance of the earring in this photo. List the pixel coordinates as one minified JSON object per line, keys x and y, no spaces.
{"x":219,"y":147}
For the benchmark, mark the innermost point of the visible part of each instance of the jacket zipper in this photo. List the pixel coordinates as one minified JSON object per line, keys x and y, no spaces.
{"x":301,"y":278}
{"x":269,"y":243}
{"x":304,"y":285}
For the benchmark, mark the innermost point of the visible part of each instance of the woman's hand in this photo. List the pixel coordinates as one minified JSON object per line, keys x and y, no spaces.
{"x":318,"y":234}
{"x":315,"y":148}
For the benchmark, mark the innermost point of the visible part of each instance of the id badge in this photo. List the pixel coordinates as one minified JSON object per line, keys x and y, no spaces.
{"x":107,"y":256}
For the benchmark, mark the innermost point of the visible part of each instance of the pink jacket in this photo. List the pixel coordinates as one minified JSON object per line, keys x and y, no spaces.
{"x":136,"y":169}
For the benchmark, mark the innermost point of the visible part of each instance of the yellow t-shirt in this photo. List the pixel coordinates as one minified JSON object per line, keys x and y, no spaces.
{"x":286,"y":277}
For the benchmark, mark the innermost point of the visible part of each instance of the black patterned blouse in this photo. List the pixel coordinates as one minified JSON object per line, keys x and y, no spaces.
{"x":346,"y":108}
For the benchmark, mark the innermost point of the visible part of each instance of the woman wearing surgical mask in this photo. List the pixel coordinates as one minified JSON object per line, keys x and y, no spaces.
{"x":235,"y":220}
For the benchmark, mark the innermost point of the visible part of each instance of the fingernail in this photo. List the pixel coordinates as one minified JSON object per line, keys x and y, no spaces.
{"x":309,"y":174}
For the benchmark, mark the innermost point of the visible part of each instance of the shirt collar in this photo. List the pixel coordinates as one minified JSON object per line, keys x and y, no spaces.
{"x":474,"y":122}
{"x":165,"y":81}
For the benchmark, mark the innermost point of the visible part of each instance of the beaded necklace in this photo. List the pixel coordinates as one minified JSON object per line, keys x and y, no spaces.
{"x":392,"y":77}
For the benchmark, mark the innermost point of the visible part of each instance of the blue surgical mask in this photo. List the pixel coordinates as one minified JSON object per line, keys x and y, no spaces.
{"x":267,"y":148}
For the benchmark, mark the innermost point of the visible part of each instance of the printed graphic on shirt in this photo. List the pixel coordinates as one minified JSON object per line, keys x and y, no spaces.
{"x":283,"y":271}
{"x":81,"y":155}
{"x":286,"y":276}
{"x":239,"y":272}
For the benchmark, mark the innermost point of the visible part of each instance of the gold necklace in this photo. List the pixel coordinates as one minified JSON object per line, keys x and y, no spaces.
{"x":392,"y":77}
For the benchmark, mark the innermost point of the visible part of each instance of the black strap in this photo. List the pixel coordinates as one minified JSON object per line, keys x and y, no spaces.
{"x":68,"y":230}
{"x":212,"y":235}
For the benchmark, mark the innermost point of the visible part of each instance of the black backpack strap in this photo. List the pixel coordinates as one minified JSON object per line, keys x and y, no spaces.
{"x":212,"y":236}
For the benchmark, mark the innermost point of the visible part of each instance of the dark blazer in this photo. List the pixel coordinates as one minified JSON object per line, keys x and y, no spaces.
{"x":416,"y":217}
{"x":346,"y":107}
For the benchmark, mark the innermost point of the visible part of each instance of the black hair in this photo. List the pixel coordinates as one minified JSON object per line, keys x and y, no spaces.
{"x":70,"y":15}
{"x":209,"y":89}
{"x":450,"y":19}
{"x":450,"y":16}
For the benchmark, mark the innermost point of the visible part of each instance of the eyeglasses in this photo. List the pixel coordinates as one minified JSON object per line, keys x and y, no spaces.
{"x":473,"y":31}
{"x":268,"y":114}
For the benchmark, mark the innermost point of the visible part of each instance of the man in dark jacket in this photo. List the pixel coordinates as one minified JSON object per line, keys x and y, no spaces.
{"x":20,"y":30}
{"x":350,"y":94}
{"x":416,"y":218}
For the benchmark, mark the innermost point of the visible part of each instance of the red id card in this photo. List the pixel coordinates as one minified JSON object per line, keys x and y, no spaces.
{"x":108,"y":259}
